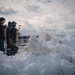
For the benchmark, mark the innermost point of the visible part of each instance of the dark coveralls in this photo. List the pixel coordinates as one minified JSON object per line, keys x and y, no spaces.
{"x":2,"y":37}
{"x":13,"y":36}
{"x":8,"y":36}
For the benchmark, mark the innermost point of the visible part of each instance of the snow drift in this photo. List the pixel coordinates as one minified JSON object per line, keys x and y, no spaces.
{"x":42,"y":56}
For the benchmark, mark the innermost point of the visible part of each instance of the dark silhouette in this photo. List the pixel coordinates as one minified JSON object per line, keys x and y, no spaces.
{"x":8,"y":34}
{"x":2,"y":27}
{"x":13,"y":35}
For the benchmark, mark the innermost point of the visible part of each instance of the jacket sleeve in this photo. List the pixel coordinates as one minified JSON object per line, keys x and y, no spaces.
{"x":2,"y":27}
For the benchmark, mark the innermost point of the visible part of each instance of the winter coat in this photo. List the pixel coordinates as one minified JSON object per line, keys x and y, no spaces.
{"x":13,"y":34}
{"x":2,"y":31}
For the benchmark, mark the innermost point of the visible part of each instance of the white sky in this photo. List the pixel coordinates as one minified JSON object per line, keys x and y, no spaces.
{"x":36,"y":16}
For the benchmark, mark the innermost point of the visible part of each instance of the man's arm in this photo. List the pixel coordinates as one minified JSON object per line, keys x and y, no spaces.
{"x":4,"y":27}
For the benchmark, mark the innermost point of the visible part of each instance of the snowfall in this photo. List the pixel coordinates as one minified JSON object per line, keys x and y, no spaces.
{"x":46,"y":55}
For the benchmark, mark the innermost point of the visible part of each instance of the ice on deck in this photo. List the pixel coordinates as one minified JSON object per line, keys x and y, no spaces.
{"x":42,"y":57}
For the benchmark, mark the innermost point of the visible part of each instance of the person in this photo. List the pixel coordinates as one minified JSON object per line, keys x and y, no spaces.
{"x":8,"y":34}
{"x":2,"y":27}
{"x":13,"y":36}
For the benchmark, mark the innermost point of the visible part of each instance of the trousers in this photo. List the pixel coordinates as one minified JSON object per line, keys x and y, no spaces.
{"x":1,"y":45}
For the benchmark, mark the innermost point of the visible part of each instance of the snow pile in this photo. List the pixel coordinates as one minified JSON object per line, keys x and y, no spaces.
{"x":35,"y":46}
{"x":70,"y":40}
{"x":45,"y":38}
{"x":42,"y":57}
{"x":7,"y":65}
